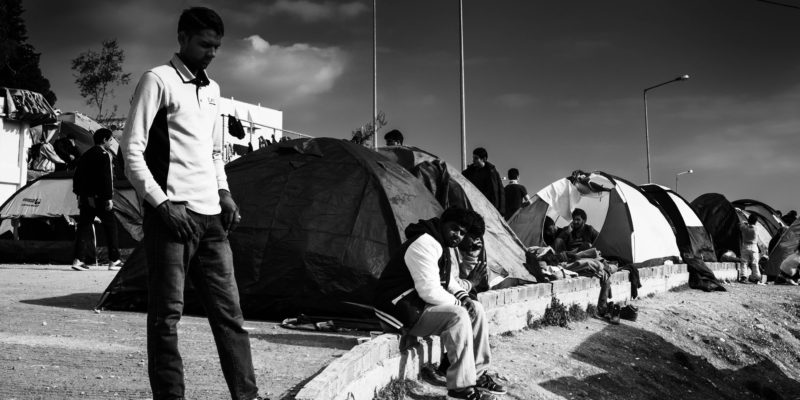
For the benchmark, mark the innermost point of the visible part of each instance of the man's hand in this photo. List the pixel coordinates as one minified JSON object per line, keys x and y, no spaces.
{"x":470,"y":306}
{"x":477,"y":274}
{"x":177,"y":220}
{"x":230,"y":211}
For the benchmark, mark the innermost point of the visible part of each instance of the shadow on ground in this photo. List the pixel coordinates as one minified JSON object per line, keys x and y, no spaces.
{"x":650,"y":367}
{"x":79,"y":301}
{"x":308,"y":340}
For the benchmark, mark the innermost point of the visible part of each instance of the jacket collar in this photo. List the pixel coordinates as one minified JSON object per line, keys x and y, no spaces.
{"x":201,"y":79}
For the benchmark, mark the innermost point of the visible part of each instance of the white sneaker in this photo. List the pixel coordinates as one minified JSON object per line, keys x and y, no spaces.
{"x":79,"y":265}
{"x":115,"y":265}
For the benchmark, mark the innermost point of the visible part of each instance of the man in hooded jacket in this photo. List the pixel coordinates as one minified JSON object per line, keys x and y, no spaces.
{"x":420,"y":293}
{"x":485,"y":177}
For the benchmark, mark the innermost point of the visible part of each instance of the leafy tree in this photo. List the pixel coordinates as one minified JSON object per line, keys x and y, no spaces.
{"x":19,"y":61}
{"x":98,"y":73}
{"x":363,"y":135}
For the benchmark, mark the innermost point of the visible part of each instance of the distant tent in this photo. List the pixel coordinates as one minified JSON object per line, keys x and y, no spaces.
{"x":505,"y":252}
{"x":722,"y":220}
{"x":767,"y":215}
{"x":632,"y":229}
{"x":690,"y":233}
{"x":787,"y":243}
{"x":47,"y":208}
{"x":320,"y":219}
{"x":78,"y":126}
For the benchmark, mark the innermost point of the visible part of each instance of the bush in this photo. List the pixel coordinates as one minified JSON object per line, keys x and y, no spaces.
{"x":396,"y":389}
{"x":556,"y":314}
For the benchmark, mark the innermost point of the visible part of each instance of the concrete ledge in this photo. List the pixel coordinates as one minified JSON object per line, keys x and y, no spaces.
{"x":366,"y":368}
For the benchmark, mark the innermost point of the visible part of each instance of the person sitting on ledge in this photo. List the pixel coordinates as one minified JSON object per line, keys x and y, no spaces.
{"x":420,"y":294}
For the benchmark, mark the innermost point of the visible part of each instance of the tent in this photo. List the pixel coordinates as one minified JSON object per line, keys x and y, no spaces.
{"x":505,"y":252}
{"x":320,"y":219}
{"x":767,"y":215}
{"x":632,"y":230}
{"x":690,"y":233}
{"x":47,"y":209}
{"x":78,"y":126}
{"x":722,"y":219}
{"x":786,"y":245}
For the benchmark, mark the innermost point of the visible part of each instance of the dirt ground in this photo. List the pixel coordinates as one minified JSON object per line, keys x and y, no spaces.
{"x":740,"y":344}
{"x":54,"y":346}
{"x":686,"y":344}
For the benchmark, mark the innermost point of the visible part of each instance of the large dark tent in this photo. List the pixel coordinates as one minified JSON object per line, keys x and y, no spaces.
{"x":320,"y":219}
{"x":722,"y":218}
{"x":505,"y":253}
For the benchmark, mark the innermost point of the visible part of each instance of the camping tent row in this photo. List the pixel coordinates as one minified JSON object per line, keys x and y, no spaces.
{"x":320,"y":220}
{"x":723,"y":219}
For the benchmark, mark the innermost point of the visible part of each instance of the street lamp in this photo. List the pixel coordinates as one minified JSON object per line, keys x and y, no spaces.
{"x":690,"y":171}
{"x":646,"y":127}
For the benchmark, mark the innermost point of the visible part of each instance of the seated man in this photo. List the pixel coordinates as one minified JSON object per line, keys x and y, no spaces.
{"x":577,"y":236}
{"x":419,"y":292}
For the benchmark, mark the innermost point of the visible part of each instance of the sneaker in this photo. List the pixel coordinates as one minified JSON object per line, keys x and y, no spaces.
{"x":783,"y":280}
{"x":488,"y":384}
{"x":115,"y":265}
{"x":469,"y":393}
{"x":79,"y":265}
{"x":615,"y":311}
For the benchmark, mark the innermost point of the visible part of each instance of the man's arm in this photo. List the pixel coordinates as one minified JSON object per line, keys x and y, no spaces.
{"x":230,"y":211}
{"x":422,"y":259}
{"x":147,"y":100}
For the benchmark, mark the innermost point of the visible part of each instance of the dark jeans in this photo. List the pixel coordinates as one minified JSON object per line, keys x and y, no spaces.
{"x":84,"y":232}
{"x":207,"y":261}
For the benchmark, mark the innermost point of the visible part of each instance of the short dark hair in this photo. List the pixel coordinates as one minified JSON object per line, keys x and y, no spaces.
{"x":752,"y":219}
{"x":481,"y":153}
{"x":513,"y":173}
{"x":579,"y":212}
{"x":101,"y":135}
{"x":394,"y":135}
{"x":195,"y":19}
{"x":470,"y":220}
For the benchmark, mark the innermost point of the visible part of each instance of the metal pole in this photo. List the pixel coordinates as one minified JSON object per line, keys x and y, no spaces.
{"x":646,"y":136}
{"x":374,"y":74}
{"x":461,"y":64}
{"x":676,"y":183}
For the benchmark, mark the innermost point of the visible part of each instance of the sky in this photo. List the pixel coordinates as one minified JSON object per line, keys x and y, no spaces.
{"x":550,"y":87}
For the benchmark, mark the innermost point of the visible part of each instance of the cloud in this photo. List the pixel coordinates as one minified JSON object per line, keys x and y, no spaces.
{"x":515,"y":100}
{"x":314,"y":12}
{"x":281,"y":74}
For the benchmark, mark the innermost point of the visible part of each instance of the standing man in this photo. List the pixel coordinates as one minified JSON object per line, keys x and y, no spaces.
{"x":419,"y":291}
{"x":173,"y":157}
{"x":516,"y":194}
{"x":393,"y":138}
{"x":93,"y":182}
{"x":750,"y":253}
{"x":485,"y":177}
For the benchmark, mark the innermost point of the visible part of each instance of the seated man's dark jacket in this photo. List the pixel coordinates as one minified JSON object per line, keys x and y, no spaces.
{"x":578,"y":240}
{"x":93,"y":175}
{"x":396,"y":278}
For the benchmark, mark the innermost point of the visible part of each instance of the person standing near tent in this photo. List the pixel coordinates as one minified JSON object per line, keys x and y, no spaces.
{"x":393,"y":138}
{"x":420,"y":292}
{"x":93,"y":182}
{"x":515,"y":193}
{"x":750,"y":250}
{"x":485,"y":177}
{"x":578,"y":236}
{"x":172,"y":144}
{"x":66,"y":149}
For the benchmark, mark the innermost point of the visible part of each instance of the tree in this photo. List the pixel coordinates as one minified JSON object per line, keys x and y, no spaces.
{"x":363,"y":135}
{"x":19,"y":61}
{"x":98,"y":73}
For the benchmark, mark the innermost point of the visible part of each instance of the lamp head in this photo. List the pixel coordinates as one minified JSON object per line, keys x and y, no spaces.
{"x":691,"y":171}
{"x":682,"y":78}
